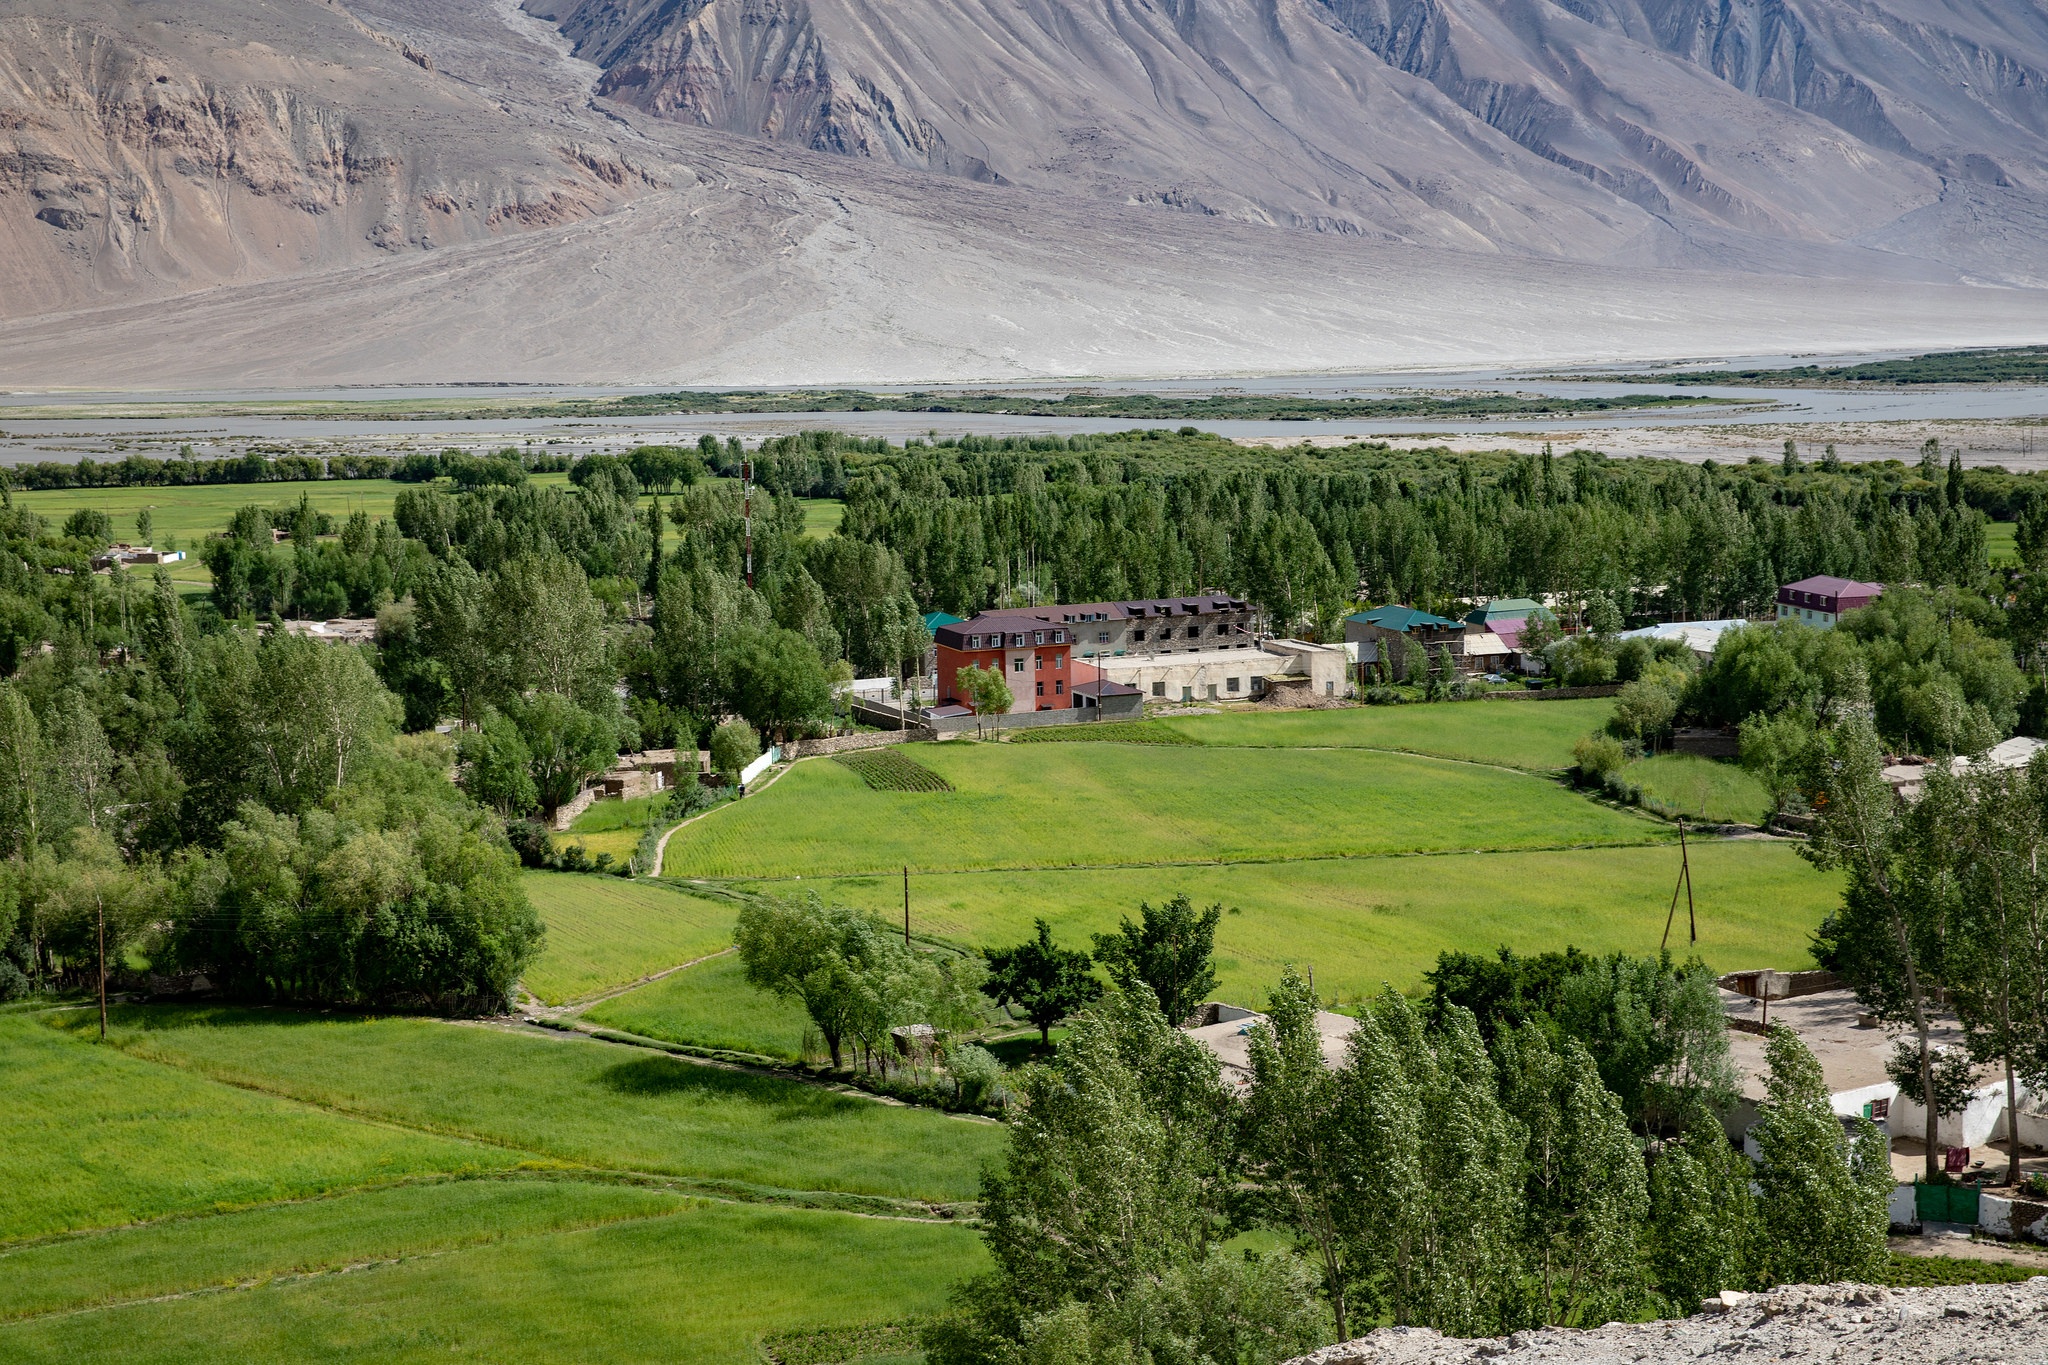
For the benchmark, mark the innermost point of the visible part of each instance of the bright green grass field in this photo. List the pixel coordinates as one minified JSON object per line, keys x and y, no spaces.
{"x":91,"y":1137}
{"x":1359,"y":922}
{"x":2000,"y":543}
{"x":191,"y":513}
{"x":300,"y":1237}
{"x":1526,"y":734}
{"x":709,"y":1005}
{"x":703,"y":1284}
{"x":577,"y":1100}
{"x":606,"y":931}
{"x":1051,"y":805}
{"x":1702,"y":788}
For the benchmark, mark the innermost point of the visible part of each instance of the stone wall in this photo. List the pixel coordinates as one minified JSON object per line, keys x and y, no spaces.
{"x":868,"y":739}
{"x":1553,"y":693}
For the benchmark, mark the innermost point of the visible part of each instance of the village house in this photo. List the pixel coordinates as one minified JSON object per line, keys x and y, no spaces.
{"x":1821,"y":600}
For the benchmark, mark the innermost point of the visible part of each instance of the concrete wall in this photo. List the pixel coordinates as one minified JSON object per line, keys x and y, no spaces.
{"x":1327,"y":667}
{"x":1981,"y":1121}
{"x":1552,"y":694}
{"x":1177,"y":677}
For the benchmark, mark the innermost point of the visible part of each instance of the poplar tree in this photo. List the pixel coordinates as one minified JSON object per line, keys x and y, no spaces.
{"x":1825,"y":1197}
{"x":1584,"y":1194}
{"x":1702,"y":1231}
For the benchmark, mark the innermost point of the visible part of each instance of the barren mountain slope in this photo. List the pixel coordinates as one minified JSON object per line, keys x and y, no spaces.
{"x":1668,"y":131}
{"x":777,"y":266}
{"x":150,"y":148}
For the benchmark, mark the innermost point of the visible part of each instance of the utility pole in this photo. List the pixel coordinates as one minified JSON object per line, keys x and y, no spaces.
{"x":906,"y":905}
{"x":1685,"y":884}
{"x":747,"y":510}
{"x":101,"y":902}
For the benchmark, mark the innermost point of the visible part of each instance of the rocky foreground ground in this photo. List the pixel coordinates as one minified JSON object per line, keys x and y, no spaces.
{"x":2005,"y":1324}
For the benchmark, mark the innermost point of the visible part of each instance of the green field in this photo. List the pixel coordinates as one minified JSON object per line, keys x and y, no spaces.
{"x":391,"y":1189}
{"x":612,"y":827}
{"x":1524,"y":734}
{"x":694,"y":1282}
{"x":1104,"y":805}
{"x":1360,"y":922}
{"x":2000,"y":543}
{"x":710,"y":1005}
{"x":1701,"y":788}
{"x":606,"y":931}
{"x":564,"y":1099}
{"x":90,"y":1137}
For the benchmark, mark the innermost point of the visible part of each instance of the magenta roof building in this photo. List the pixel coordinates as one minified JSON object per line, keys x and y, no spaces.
{"x":1821,"y":600}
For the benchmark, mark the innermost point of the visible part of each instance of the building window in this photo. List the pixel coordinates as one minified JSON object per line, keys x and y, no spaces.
{"x":1102,"y":637}
{"x":1139,"y":636}
{"x":1041,"y":689}
{"x":1059,"y":661}
{"x":974,"y":642}
{"x":1159,"y":689}
{"x":1235,"y":684}
{"x":1038,"y":637}
{"x":1018,"y":666}
{"x":1059,"y":687}
{"x":1037,"y":661}
{"x":1059,"y":637}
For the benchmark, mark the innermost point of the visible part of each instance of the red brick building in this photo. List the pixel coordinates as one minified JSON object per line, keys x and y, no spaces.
{"x":1035,"y":655}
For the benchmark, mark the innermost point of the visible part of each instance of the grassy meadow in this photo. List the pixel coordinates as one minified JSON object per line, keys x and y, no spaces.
{"x":702,"y":1282}
{"x":1360,"y":922}
{"x":565,"y":1100}
{"x":709,"y":1005}
{"x":605,"y":931}
{"x":1702,"y":789}
{"x":1531,"y":734}
{"x":1106,"y":805}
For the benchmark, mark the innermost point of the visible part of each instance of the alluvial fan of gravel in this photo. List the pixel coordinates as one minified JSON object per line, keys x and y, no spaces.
{"x":2005,"y":1324}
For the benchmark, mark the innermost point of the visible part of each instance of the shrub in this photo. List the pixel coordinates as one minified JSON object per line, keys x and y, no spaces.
{"x":1599,"y":757}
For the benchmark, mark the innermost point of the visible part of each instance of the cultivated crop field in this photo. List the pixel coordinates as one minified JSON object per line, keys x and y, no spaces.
{"x":710,"y":1005}
{"x":891,"y":770}
{"x":604,"y":931}
{"x":1333,"y":852}
{"x":1701,"y":789}
{"x":1082,"y":805}
{"x":1363,"y":921}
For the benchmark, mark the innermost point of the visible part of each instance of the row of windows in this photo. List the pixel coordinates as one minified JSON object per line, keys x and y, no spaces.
{"x":1018,"y":641}
{"x":1235,"y":686}
{"x":1059,"y":688}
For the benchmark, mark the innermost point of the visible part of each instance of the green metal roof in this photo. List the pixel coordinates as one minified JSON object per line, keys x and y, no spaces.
{"x":1508,"y":609}
{"x":1394,"y":616}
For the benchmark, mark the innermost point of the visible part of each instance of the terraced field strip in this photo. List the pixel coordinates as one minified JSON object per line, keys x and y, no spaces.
{"x":892,"y":770}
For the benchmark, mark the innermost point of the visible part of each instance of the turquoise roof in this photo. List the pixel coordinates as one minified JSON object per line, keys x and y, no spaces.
{"x":934,"y":619}
{"x":1508,"y":609}
{"x":1394,"y":616}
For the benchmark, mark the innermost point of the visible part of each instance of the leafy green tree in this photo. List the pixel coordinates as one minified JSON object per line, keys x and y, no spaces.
{"x":1885,"y":940}
{"x":549,"y":628}
{"x":1167,"y":954}
{"x":779,"y":682}
{"x":1824,"y":1201}
{"x":1045,"y":981}
{"x":90,"y":525}
{"x":1702,"y":1230}
{"x":1433,"y":1202}
{"x":81,"y":776}
{"x":1585,"y":1195}
{"x":23,"y":765}
{"x":497,"y":767}
{"x":567,"y":745}
{"x":455,"y":633}
{"x":161,"y":633}
{"x":1644,"y":711}
{"x":733,"y":746}
{"x":804,"y":950}
{"x":986,"y":691}
{"x":1293,"y":1143}
{"x":1103,"y":1225}
{"x":1774,"y":751}
{"x":417,"y":679}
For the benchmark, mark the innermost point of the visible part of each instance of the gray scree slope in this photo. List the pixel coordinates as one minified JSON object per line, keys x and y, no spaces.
{"x":812,"y":190}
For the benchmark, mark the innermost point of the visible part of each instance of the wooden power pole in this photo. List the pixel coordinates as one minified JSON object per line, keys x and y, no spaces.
{"x":100,"y":901}
{"x":1684,"y":884}
{"x":906,"y":905}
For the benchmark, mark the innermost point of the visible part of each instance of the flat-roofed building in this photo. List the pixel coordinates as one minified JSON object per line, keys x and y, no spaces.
{"x":1157,"y":625}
